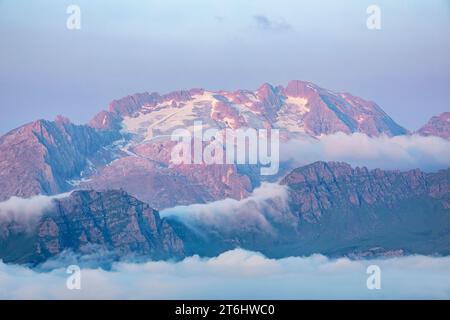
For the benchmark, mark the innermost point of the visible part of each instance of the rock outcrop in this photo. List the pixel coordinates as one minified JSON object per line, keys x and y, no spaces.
{"x":91,"y":221}
{"x":43,"y":157}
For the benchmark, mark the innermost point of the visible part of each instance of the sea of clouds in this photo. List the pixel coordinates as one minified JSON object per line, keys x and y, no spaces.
{"x":237,"y":274}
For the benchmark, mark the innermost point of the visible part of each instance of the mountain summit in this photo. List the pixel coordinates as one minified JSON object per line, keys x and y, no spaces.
{"x":437,"y":126}
{"x":300,"y":107}
{"x":128,"y":145}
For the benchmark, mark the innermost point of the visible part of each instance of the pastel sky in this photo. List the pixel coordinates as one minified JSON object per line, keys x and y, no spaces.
{"x":132,"y":46}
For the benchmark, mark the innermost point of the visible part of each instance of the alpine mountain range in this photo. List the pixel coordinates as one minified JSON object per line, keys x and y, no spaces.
{"x":110,"y":181}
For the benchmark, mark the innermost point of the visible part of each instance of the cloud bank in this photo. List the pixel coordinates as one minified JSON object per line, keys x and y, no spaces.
{"x":400,"y":152}
{"x":27,"y":209}
{"x":229,"y":213}
{"x":238,"y":274}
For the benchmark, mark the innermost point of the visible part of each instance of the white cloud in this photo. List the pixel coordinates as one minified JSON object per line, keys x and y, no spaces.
{"x":264,"y":23}
{"x":27,"y":209}
{"x":238,"y":274}
{"x":400,"y":152}
{"x":231,"y":213}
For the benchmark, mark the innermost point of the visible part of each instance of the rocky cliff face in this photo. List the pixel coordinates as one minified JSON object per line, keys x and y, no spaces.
{"x":321,"y":186}
{"x":341,"y":209}
{"x":149,"y":176}
{"x":42,"y":157}
{"x":338,"y":210}
{"x":330,"y":112}
{"x":110,"y":221}
{"x":438,"y":126}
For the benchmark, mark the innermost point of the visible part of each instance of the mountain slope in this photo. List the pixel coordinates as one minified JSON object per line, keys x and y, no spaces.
{"x":43,"y":156}
{"x":162,"y":186}
{"x":438,"y":126}
{"x":148,"y":120}
{"x":300,"y":107}
{"x":336,"y":210}
{"x":90,"y":222}
{"x":341,"y":209}
{"x":331,"y":208}
{"x":129,"y":145}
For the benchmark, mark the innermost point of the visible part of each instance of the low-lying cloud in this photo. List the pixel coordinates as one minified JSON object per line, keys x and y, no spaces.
{"x":238,"y":274}
{"x":24,"y":210}
{"x":400,"y":152}
{"x":229,"y":213}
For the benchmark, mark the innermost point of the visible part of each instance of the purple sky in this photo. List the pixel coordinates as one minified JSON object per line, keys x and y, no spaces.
{"x":125,"y":47}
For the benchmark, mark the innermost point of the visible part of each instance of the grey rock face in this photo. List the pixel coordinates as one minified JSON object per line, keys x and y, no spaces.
{"x":42,"y":156}
{"x":109,"y":221}
{"x":337,"y":210}
{"x":342,"y":210}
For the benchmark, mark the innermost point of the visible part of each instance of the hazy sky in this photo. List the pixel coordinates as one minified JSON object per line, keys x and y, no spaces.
{"x":125,"y":47}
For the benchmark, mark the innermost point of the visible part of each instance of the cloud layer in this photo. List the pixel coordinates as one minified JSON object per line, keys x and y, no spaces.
{"x":231,"y":213}
{"x":238,"y":274}
{"x":401,"y":152}
{"x":27,"y":209}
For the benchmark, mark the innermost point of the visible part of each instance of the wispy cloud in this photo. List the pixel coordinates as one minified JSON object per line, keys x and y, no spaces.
{"x":230,"y":213}
{"x":264,"y":23}
{"x":25,"y":210}
{"x":401,"y":152}
{"x":238,"y":274}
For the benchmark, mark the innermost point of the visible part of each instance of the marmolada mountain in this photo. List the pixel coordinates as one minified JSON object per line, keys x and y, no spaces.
{"x":110,"y":185}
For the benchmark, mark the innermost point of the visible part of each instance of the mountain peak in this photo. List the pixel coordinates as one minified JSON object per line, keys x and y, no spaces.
{"x":297,"y":88}
{"x":60,"y":119}
{"x":266,"y":87}
{"x":438,"y":126}
{"x":300,"y":107}
{"x":128,"y":226}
